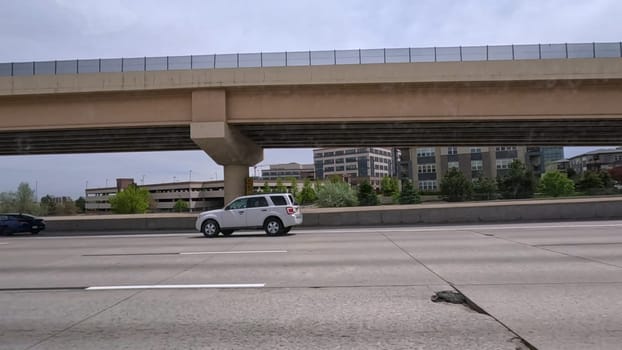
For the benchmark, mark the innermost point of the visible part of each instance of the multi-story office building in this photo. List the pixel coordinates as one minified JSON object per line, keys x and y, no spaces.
{"x":427,"y":165}
{"x":289,"y":170}
{"x":601,"y":159}
{"x":354,"y":164}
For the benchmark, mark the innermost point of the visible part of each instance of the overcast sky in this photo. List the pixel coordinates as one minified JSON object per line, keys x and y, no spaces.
{"x":32,"y":30}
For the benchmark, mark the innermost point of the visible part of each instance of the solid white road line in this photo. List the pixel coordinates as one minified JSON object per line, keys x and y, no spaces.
{"x":3,"y":243}
{"x":235,"y":252}
{"x":177,"y":286}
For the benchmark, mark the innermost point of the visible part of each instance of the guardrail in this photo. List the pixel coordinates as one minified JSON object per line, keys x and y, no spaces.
{"x":316,"y":58}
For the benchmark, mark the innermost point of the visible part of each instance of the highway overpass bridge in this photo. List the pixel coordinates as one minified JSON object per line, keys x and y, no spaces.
{"x":234,"y":106}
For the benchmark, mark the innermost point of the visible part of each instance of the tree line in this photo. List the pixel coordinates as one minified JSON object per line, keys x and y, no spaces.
{"x":24,"y":200}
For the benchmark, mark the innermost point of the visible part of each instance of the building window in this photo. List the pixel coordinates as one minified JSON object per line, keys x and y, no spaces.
{"x":426,"y":168}
{"x":476,"y":150}
{"x":351,"y":167}
{"x":477,"y":165}
{"x":351,"y":160}
{"x":339,"y":160}
{"x":329,"y":161}
{"x":451,"y":165}
{"x":504,"y":163}
{"x":505,"y":148}
{"x":425,"y":152}
{"x":340,"y":168}
{"x":452,"y":151}
{"x":427,"y":185}
{"x":329,"y":169}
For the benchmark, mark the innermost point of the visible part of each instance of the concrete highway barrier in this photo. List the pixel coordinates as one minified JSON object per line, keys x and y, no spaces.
{"x":437,"y":213}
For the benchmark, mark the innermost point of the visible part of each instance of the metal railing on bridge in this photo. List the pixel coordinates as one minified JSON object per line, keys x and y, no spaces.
{"x":317,"y":58}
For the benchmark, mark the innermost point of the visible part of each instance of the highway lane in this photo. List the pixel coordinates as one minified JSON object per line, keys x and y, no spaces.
{"x":351,"y":288}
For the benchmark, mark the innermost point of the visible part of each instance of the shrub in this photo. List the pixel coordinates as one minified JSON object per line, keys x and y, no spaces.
{"x":485,"y":188}
{"x":366,"y":194}
{"x":336,"y":194}
{"x":408,"y":195}
{"x":307,"y":195}
{"x":455,"y":187}
{"x":554,"y":183}
{"x":518,"y":183}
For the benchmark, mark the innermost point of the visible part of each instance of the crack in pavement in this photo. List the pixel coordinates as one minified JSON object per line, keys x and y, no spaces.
{"x":469,"y":303}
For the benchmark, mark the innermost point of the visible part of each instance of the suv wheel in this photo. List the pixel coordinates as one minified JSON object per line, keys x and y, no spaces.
{"x":273,"y":226}
{"x":210,"y":229}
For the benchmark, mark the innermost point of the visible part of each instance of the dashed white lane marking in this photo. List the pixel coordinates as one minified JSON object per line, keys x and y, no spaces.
{"x":178,"y":286}
{"x":3,"y":243}
{"x":235,"y":252}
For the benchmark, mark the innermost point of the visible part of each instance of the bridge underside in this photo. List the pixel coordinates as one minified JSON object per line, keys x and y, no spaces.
{"x":299,"y":135}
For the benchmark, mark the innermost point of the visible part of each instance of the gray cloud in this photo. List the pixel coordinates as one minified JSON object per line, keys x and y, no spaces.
{"x":65,"y":29}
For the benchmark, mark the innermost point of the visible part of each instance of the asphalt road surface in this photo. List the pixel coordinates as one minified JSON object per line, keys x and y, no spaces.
{"x":543,"y":286}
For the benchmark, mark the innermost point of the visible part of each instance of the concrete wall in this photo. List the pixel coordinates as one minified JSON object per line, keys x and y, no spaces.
{"x":461,"y":213}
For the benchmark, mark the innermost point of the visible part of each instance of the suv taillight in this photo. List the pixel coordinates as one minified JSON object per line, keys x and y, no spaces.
{"x":291,"y":210}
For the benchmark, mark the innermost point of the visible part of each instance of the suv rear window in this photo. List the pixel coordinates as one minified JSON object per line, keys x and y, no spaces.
{"x":278,"y":200}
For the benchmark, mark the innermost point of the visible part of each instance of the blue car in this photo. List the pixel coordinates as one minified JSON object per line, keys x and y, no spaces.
{"x":14,"y":223}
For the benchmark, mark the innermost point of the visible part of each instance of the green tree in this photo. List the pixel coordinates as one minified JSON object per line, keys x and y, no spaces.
{"x":485,"y":188}
{"x":366,"y":194}
{"x":293,"y":185}
{"x":389,"y":186}
{"x":266,"y":188}
{"x":408,"y":195}
{"x":132,"y":200}
{"x":280,"y":187}
{"x":590,"y":181}
{"x":180,"y":206}
{"x":81,"y":204}
{"x":554,"y":183}
{"x":455,"y":187}
{"x":336,"y":194}
{"x":7,"y":202}
{"x":67,"y":207}
{"x":48,"y":205}
{"x":518,"y":183}
{"x":307,"y":195}
{"x":25,"y":199}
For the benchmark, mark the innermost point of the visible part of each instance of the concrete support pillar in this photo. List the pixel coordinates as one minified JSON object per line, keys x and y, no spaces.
{"x":235,"y":181}
{"x":222,"y":142}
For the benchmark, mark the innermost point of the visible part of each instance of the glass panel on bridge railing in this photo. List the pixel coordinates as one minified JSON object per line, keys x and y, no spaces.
{"x":199,"y":62}
{"x":298,"y":58}
{"x":607,"y":50}
{"x":111,"y":65}
{"x":474,"y":53}
{"x":23,"y":68}
{"x":398,"y":55}
{"x":179,"y":62}
{"x":500,"y":53}
{"x":67,"y":67}
{"x":319,"y":58}
{"x":134,"y":64}
{"x":45,"y":68}
{"x":372,"y":56}
{"x":526,"y":52}
{"x":447,"y":54}
{"x":273,"y":59}
{"x":155,"y":63}
{"x":88,"y":66}
{"x":348,"y":57}
{"x":584,"y":50}
{"x":250,"y":60}
{"x":422,"y":54}
{"x":551,"y":51}
{"x":229,"y":60}
{"x":5,"y":70}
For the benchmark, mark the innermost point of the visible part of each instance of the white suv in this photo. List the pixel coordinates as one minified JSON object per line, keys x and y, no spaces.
{"x":276,"y":213}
